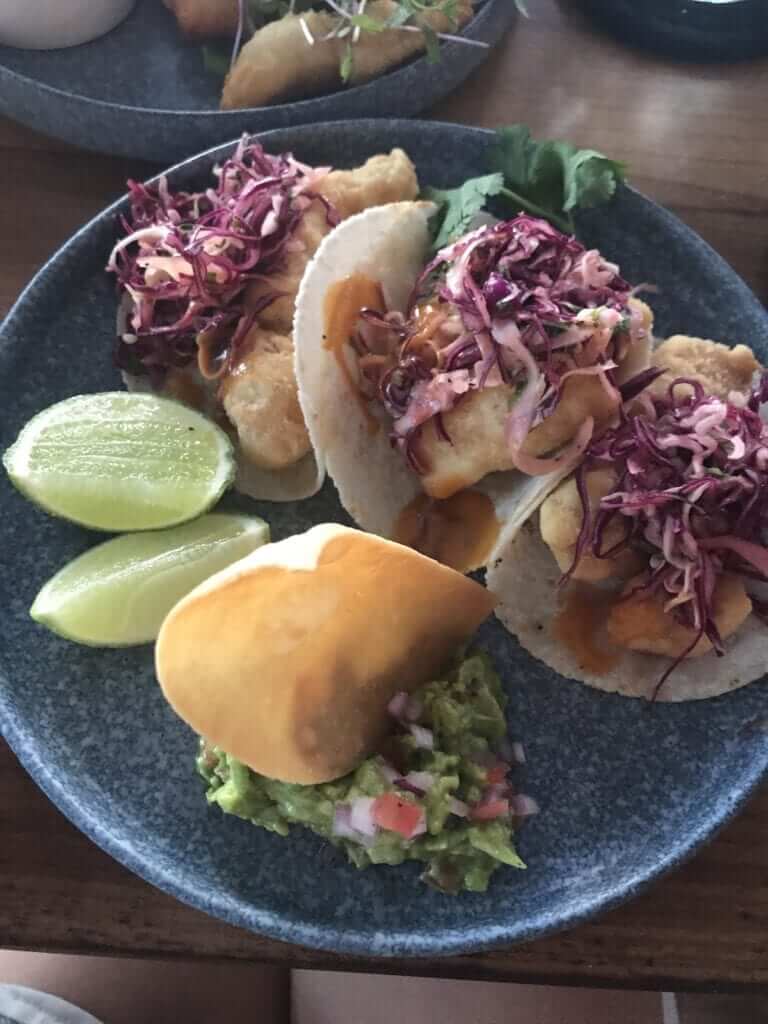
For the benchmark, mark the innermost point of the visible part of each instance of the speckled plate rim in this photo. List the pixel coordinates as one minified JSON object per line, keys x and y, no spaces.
{"x":275,"y":926}
{"x":305,"y":108}
{"x":393,"y":944}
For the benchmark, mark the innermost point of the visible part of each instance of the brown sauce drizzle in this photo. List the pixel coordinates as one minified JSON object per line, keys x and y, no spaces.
{"x":459,"y":531}
{"x":578,"y":627}
{"x":343,"y":303}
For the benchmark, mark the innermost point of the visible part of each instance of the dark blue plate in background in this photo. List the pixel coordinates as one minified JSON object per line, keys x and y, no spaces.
{"x":626,"y":790}
{"x":142,"y":91}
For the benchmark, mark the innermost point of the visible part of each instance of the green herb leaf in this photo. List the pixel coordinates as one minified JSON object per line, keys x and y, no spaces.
{"x":347,"y":63}
{"x":590,"y":178}
{"x":432,"y":43}
{"x":551,"y":178}
{"x":401,"y":16}
{"x":366,"y":23}
{"x":459,"y":206}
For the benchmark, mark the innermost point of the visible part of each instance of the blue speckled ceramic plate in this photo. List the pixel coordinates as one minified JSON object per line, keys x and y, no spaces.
{"x":626,"y":790}
{"x":142,"y":91}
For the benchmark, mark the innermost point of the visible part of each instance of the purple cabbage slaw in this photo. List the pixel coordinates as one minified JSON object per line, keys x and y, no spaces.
{"x":691,"y":495}
{"x":521,"y":303}
{"x":187,"y":258}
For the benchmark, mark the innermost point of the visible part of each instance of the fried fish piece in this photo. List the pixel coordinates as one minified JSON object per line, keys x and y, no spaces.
{"x":261,"y":400}
{"x":204,"y":19}
{"x":641,"y":624}
{"x":385,"y":178}
{"x":278,"y":62}
{"x":560,"y":520}
{"x":477,"y":429}
{"x":717,"y":367}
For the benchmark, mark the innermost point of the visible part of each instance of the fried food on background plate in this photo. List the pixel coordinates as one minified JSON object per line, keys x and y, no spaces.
{"x":279,"y":62}
{"x":204,"y":19}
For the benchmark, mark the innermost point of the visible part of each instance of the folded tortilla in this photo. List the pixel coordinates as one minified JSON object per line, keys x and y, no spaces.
{"x":390,"y":246}
{"x":524,"y":576}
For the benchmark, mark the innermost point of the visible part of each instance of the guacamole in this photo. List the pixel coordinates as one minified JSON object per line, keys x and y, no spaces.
{"x":436,"y":793}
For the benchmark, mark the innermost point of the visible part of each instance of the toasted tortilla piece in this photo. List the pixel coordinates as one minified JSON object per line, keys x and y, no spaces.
{"x":386,"y":246}
{"x":524,"y":576}
{"x":287,"y":659}
{"x":385,"y":178}
{"x":278,"y":62}
{"x":718,"y":368}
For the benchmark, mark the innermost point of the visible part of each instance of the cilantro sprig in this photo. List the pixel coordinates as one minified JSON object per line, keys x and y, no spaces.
{"x":550,"y":179}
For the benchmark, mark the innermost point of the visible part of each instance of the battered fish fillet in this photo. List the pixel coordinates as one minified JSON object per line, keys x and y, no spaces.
{"x":719,"y":369}
{"x":560,"y":519}
{"x":203,"y":19}
{"x":261,"y":399}
{"x":641,"y":624}
{"x":386,"y":178}
{"x":278,"y":62}
{"x":476,"y":426}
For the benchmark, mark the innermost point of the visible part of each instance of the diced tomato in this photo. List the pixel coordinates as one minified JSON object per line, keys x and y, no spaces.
{"x":497,"y":773}
{"x":396,"y":815}
{"x":490,"y":810}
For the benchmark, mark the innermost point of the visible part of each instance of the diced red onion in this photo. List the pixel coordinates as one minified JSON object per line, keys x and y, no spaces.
{"x":414,"y":709}
{"x":417,"y":782}
{"x":342,"y":824}
{"x":458,"y":807}
{"x":389,"y":773}
{"x":397,"y":706}
{"x":361,"y":816}
{"x":497,"y":791}
{"x":424,"y":737}
{"x":421,"y":828}
{"x":523,"y":806}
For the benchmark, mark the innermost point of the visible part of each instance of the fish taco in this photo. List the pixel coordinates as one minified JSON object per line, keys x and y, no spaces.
{"x":208,"y":283}
{"x":644,"y":572}
{"x":449,"y":393}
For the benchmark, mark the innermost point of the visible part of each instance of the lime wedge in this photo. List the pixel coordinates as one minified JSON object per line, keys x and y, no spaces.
{"x":120,"y":461}
{"x":119,"y":592}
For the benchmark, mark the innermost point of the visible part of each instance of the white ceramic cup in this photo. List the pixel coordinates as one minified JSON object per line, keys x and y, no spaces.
{"x":53,"y":24}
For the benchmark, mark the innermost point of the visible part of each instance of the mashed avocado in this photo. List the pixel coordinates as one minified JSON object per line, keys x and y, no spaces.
{"x":457,"y":785}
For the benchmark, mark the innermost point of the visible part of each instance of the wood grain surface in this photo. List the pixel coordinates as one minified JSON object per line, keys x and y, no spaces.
{"x":695,"y":139}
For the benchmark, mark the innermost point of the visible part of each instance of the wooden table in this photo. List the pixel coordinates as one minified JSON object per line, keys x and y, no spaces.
{"x":696,"y":139}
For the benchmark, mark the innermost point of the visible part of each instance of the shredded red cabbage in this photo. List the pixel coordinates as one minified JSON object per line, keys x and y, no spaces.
{"x":186,"y":257}
{"x":691,"y":496}
{"x":517,"y":302}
